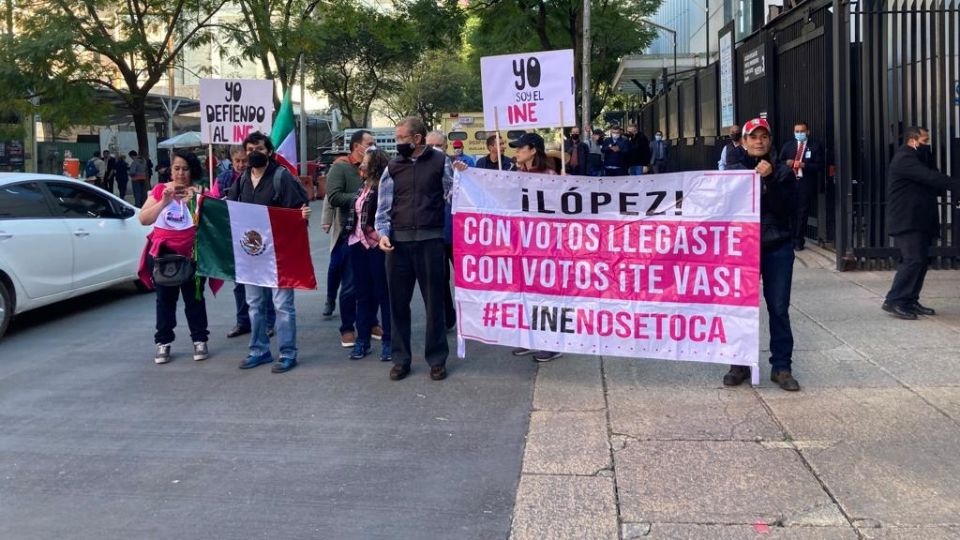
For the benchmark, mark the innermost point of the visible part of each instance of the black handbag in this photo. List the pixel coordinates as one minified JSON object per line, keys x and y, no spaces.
{"x":172,"y":270}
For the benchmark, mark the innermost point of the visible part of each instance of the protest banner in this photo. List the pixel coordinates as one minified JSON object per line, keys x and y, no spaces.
{"x":661,"y":266}
{"x":528,"y":90}
{"x":230,"y":109}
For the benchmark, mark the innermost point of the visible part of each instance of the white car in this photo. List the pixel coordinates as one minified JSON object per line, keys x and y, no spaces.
{"x":61,"y":238}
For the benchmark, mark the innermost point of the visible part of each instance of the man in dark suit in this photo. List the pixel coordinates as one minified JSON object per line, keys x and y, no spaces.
{"x":913,"y":222}
{"x":806,"y":158}
{"x":659,"y":154}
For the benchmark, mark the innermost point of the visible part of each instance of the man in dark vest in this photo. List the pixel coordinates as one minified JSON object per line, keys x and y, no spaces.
{"x":913,"y":222}
{"x":410,"y":222}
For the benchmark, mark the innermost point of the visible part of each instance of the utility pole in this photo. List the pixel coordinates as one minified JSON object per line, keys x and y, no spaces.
{"x":303,"y":119}
{"x":585,"y":64}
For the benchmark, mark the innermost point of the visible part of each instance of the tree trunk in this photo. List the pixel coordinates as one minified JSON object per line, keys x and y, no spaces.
{"x":138,"y":110}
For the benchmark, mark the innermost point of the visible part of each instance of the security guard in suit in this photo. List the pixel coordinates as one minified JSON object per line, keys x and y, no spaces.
{"x":912,"y":221}
{"x":806,"y":158}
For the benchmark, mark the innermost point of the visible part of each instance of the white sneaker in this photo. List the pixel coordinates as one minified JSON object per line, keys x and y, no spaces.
{"x":163,"y":353}
{"x":200,"y":351}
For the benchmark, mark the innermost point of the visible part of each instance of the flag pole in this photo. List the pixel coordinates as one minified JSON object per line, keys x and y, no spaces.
{"x":209,"y":165}
{"x":563,"y":162}
{"x":496,"y":126}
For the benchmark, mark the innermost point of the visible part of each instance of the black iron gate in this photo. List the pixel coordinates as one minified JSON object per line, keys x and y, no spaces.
{"x":901,"y":69}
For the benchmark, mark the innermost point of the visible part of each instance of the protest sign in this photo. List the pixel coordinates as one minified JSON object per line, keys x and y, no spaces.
{"x":660,"y":266}
{"x":528,"y":90}
{"x":230,"y":109}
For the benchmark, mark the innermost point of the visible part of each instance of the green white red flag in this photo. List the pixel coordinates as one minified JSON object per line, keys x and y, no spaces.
{"x":254,"y":244}
{"x":283,"y":135}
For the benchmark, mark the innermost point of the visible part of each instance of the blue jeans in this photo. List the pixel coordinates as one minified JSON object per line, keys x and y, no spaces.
{"x":370,"y":277}
{"x":776,"y":272}
{"x":243,"y":310}
{"x":348,"y":300}
{"x":635,"y":170}
{"x":257,"y":297}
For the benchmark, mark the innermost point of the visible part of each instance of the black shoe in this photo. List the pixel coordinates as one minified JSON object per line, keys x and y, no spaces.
{"x":329,"y":307}
{"x":284,"y":365}
{"x":438,"y":373}
{"x":736,"y":376}
{"x":398,"y":373}
{"x":919,"y":309}
{"x":237,"y":331}
{"x":899,"y":311}
{"x":271,"y":332}
{"x":785,"y":381}
{"x":799,"y":245}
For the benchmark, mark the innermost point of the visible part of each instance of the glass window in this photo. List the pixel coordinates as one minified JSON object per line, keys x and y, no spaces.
{"x":515,"y":134}
{"x":77,"y":201}
{"x":23,"y":201}
{"x":457,"y":136}
{"x":481,"y":136}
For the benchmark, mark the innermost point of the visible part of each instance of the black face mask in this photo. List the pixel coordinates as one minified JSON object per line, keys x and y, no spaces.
{"x":575,"y":136}
{"x":257,"y":159}
{"x":406,"y":149}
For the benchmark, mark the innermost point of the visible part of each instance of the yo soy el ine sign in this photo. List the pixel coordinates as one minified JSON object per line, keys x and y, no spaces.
{"x":528,"y":90}
{"x":230,"y":109}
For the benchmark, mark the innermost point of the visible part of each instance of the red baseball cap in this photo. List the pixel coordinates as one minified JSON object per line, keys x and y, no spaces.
{"x":754,"y":125}
{"x":458,"y":143}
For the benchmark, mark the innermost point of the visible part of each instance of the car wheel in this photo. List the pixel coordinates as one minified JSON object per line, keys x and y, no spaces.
{"x":6,"y":309}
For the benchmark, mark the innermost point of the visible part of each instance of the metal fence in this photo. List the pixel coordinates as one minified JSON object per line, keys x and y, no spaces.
{"x":896,"y":65}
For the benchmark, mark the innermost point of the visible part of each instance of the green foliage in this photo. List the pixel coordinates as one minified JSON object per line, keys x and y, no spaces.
{"x":126,"y":47}
{"x":272,"y":33}
{"x":37,"y":77}
{"x":439,"y":83}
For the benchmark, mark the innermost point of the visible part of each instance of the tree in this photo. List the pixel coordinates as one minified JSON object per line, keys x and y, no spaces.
{"x":510,"y":26}
{"x":37,"y":77}
{"x":128,"y":50}
{"x":361,"y":55}
{"x":272,"y":33}
{"x":356,"y":55}
{"x":439,"y":83}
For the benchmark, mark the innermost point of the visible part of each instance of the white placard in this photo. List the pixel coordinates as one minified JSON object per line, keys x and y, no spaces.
{"x":527,"y":89}
{"x":231,"y":109}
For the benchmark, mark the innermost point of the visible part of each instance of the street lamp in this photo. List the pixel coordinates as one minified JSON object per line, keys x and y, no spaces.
{"x":674,"y":34}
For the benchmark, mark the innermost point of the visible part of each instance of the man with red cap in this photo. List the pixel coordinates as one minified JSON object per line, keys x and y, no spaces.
{"x":459,"y":155}
{"x":778,"y":201}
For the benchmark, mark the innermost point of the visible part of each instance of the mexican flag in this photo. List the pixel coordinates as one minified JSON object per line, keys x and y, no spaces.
{"x":254,"y":244}
{"x":284,"y":137}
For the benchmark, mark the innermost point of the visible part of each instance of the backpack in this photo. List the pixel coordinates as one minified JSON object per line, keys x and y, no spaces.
{"x":90,"y":170}
{"x":277,"y":184}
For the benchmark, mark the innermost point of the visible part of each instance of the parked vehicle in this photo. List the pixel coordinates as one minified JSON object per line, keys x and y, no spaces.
{"x":60,"y":238}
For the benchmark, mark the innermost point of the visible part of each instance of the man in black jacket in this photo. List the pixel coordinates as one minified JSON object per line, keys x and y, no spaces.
{"x":912,"y":221}
{"x":639,"y":156}
{"x":257,"y":186}
{"x":806,"y":158}
{"x":777,"y":208}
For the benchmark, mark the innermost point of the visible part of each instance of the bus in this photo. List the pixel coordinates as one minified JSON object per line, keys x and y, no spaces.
{"x":468,"y":127}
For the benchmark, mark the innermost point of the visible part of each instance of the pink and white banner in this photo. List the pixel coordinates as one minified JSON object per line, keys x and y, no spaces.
{"x":659,"y":266}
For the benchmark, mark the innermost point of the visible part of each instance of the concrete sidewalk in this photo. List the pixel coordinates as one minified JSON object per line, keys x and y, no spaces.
{"x":626,"y":448}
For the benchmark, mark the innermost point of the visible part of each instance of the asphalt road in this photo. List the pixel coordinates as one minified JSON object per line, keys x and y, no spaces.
{"x":98,"y":442}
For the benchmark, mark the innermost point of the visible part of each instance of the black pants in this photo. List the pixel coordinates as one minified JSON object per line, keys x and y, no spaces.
{"x":912,"y":268}
{"x":449,"y":309}
{"x":806,"y":188}
{"x":409,"y":264}
{"x":195,"y":310}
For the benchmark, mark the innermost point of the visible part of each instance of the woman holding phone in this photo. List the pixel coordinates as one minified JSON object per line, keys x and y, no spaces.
{"x":171,"y":209}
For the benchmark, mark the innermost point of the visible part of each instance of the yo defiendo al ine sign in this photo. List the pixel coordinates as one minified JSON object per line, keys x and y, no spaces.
{"x":230,"y":109}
